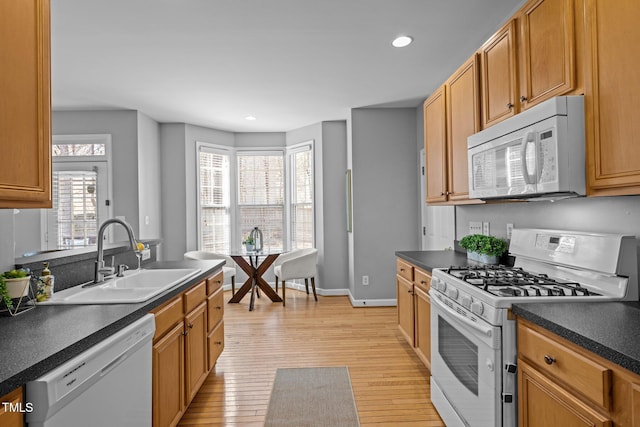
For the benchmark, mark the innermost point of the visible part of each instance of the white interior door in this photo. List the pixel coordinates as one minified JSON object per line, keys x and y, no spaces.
{"x":438,"y":222}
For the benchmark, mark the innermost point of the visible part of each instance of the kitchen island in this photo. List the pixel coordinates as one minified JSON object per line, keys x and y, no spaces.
{"x":39,"y":340}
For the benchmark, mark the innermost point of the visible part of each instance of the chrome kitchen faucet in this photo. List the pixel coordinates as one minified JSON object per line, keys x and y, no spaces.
{"x":100,"y":269}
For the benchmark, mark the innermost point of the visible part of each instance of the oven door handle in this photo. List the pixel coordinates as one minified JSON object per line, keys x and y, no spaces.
{"x":486,"y":330}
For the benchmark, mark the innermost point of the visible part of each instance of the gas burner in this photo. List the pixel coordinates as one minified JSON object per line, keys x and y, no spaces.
{"x":505,"y":281}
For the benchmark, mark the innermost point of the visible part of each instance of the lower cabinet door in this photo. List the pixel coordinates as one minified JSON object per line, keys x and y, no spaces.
{"x":195,"y":324}
{"x":405,"y":308}
{"x":543,"y":403}
{"x":168,"y":378}
{"x":12,"y":417}
{"x":423,"y":326}
{"x":215,"y":342}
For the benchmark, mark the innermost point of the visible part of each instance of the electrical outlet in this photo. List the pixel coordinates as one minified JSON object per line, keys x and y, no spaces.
{"x":509,"y":231}
{"x":365,"y":280}
{"x":485,"y":228}
{"x":475,"y":227}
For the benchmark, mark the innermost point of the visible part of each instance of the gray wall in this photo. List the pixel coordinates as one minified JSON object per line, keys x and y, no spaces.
{"x":598,"y":214}
{"x":383,"y":153}
{"x":123,"y":127}
{"x":330,"y":140}
{"x":149,"y":189}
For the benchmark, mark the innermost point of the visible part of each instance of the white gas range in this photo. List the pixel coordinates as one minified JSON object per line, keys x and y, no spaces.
{"x":473,"y":335}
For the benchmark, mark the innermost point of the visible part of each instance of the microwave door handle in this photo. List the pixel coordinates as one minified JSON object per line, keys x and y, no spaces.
{"x":529,"y":137}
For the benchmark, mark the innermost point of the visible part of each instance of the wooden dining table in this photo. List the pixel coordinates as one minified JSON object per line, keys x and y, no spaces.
{"x":255,"y":269}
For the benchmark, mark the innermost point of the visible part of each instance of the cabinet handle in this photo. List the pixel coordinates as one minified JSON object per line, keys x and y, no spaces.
{"x":422,"y":282}
{"x":523,"y":98}
{"x":218,"y":342}
{"x":442,"y":193}
{"x":185,"y":333}
{"x":218,"y":308}
{"x":548,"y":359}
{"x":190,"y":325}
{"x":509,"y":106}
{"x":402,"y":270}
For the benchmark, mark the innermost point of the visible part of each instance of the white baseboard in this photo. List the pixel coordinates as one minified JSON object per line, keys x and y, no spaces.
{"x":333,"y":292}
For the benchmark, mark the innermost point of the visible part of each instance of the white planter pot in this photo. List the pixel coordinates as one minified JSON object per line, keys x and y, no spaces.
{"x":485,"y":259}
{"x":249,"y":248}
{"x":17,"y":288}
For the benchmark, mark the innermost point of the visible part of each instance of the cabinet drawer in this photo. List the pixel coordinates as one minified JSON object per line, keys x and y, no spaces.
{"x":215,"y":309}
{"x":214,"y":283}
{"x":404,"y":269}
{"x":560,"y":362}
{"x":194,"y":296}
{"x":215,"y":341}
{"x":167,"y":315}
{"x":422,"y":279}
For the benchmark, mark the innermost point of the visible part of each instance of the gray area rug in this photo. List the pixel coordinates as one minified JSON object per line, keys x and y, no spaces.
{"x":312,"y":397}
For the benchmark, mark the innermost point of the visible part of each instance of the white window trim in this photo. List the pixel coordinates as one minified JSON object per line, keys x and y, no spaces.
{"x":98,"y":138}
{"x":226,"y":151}
{"x":233,"y":153}
{"x":266,"y":151}
{"x":290,"y":150}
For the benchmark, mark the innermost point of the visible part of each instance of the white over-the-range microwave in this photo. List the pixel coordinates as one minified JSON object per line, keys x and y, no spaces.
{"x":539,"y":153}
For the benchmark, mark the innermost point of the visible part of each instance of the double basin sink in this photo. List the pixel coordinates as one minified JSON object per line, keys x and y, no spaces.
{"x":133,"y":287}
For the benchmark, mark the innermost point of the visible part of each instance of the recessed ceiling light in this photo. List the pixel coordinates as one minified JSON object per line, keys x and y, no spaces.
{"x":402,"y":41}
{"x":250,"y":117}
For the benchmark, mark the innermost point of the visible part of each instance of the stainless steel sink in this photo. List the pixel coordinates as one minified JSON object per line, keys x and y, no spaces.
{"x":135,"y":286}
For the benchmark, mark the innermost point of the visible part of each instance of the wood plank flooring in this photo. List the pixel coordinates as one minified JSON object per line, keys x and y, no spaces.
{"x":390,"y":384}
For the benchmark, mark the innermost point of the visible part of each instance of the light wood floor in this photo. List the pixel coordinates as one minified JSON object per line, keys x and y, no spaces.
{"x":390,"y":384}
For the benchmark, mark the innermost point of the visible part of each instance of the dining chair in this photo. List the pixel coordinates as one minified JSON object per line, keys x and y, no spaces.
{"x":228,"y":270}
{"x":297,"y":264}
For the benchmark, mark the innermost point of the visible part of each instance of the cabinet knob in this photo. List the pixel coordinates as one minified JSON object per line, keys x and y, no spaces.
{"x":402,"y":270}
{"x":523,"y":98}
{"x":548,"y":359}
{"x":185,"y":333}
{"x":218,"y":342}
{"x":190,"y":325}
{"x":442,"y":193}
{"x":449,"y":193}
{"x":218,"y":308}
{"x":509,"y":106}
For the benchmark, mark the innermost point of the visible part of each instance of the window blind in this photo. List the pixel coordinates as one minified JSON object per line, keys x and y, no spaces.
{"x":215,"y":222}
{"x":302,"y":199}
{"x":75,"y":207}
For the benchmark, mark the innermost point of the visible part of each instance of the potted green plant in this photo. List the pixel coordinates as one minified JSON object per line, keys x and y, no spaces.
{"x":249,"y":243}
{"x":485,"y":249}
{"x":14,"y":284}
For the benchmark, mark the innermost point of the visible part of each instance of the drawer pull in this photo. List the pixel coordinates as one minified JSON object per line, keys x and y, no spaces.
{"x":402,"y":270}
{"x":548,"y":359}
{"x":423,"y":282}
{"x":218,"y":308}
{"x":218,"y":342}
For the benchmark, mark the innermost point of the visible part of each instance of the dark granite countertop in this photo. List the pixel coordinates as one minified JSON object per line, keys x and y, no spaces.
{"x":41,"y":339}
{"x":428,"y":260}
{"x":608,"y":329}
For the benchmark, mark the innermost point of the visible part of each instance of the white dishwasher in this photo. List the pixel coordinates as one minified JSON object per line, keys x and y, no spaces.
{"x":105,"y":386}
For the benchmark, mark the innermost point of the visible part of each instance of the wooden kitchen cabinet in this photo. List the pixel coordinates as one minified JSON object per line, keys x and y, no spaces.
{"x":9,"y":418}
{"x":414,"y":308}
{"x":435,"y":143}
{"x":25,"y":104}
{"x":181,"y":348}
{"x":451,"y":114}
{"x":422,"y":312}
{"x":532,"y":58}
{"x":499,"y":76}
{"x":561,"y":383}
{"x":611,"y":98}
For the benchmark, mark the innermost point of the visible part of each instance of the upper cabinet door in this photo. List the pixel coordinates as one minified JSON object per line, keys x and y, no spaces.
{"x":25,"y":104}
{"x":547,"y":50}
{"x":612,"y":98}
{"x":463,"y":119}
{"x":435,"y":140}
{"x":498,"y":74}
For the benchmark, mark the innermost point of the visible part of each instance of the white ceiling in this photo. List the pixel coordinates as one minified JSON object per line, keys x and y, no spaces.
{"x":291,"y":63}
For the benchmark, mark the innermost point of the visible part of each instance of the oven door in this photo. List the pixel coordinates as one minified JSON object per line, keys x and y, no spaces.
{"x":466,"y":365}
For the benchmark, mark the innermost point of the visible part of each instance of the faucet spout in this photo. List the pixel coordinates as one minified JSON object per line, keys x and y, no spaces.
{"x":100,"y":269}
